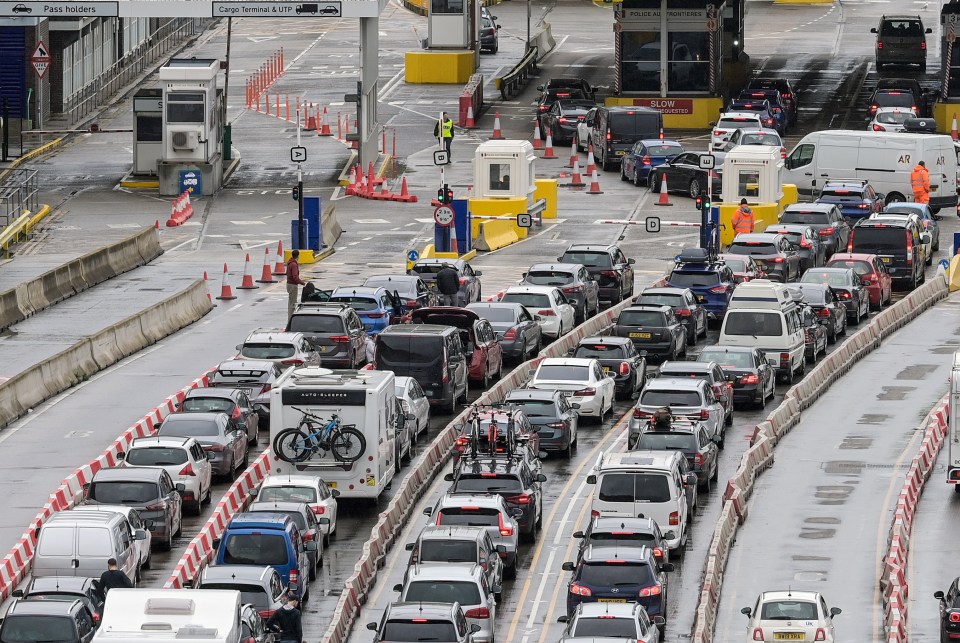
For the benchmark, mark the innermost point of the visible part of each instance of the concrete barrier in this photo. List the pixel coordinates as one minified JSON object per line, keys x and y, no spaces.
{"x":493,"y":235}
{"x":330,"y":226}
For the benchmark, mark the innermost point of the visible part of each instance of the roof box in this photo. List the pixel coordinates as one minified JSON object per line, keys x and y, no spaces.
{"x":694,"y":255}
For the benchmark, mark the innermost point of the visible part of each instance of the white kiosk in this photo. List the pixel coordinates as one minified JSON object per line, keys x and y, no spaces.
{"x":505,"y":169}
{"x":754,"y":173}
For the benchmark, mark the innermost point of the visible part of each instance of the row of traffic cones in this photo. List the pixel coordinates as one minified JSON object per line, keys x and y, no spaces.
{"x":269,"y":271}
{"x":365,"y":186}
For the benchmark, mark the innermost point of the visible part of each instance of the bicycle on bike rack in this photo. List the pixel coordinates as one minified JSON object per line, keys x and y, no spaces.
{"x":315,"y":435}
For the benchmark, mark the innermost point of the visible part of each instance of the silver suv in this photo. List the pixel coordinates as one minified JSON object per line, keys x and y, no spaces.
{"x":459,"y":546}
{"x":482,"y":510}
{"x":466,"y":585}
{"x":443,"y":622}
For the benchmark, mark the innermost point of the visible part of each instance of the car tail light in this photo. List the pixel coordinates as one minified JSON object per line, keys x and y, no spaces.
{"x":608,"y":273}
{"x":646,"y":159}
{"x":698,"y":459}
{"x":546,"y":312}
{"x":821,"y":634}
{"x":750,"y":379}
{"x":624,"y":369}
{"x":580,"y":590}
{"x":843,"y":294}
{"x":704,"y":415}
{"x":477,"y":612}
{"x":682,"y":312}
{"x":827,"y":232}
{"x":955,"y":617}
{"x":573,"y":289}
{"x":720,"y":289}
{"x":585,"y":392}
{"x":609,"y":136}
{"x":376,"y":315}
{"x":344,"y":339}
{"x":718,"y":132}
{"x":419,"y":620}
{"x":562,"y":120}
{"x":520,"y":499}
{"x":879,"y":44}
{"x":504,"y":530}
{"x":784,"y":360}
{"x":658,"y":552}
{"x":865,"y":206}
{"x":778,"y":260}
{"x":783,"y":152}
{"x":923,"y":45}
{"x":236,"y":415}
{"x":758,"y":634}
{"x":556,"y":425}
{"x":909,"y":249}
{"x":265,"y":613}
{"x":462,"y":440}
{"x":674,"y":518}
{"x":293,"y":361}
{"x":510,"y":334}
{"x":543,"y":108}
{"x":805,"y":244}
{"x":879,"y":128}
{"x":787,"y":95}
{"x":267,"y":387}
{"x":594,"y":513}
{"x":823,"y":312}
{"x":96,"y":617}
{"x":318,"y":510}
{"x":294,"y":576}
{"x":214,"y":447}
{"x":642,"y":415}
{"x":187,"y":470}
{"x":768,"y":122}
{"x":463,"y":281}
{"x":650,"y":591}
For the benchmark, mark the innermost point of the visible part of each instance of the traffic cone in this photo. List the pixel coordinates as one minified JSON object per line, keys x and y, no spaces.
{"x":664,"y":197}
{"x":497,"y":132}
{"x":157,"y":225}
{"x":953,"y":127}
{"x":576,"y":180}
{"x":470,"y":120}
{"x":591,"y":163}
{"x":371,"y":178}
{"x":453,"y":239}
{"x":573,"y":153}
{"x":548,"y":151}
{"x":325,"y":123}
{"x":280,"y":268}
{"x":266,"y":275}
{"x":226,"y":292}
{"x":247,"y":282}
{"x":537,"y":141}
{"x":594,"y":183}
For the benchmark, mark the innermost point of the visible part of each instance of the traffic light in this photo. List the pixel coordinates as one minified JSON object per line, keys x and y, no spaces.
{"x":699,"y":202}
{"x":445,"y":195}
{"x":705,"y":204}
{"x":295,"y":193}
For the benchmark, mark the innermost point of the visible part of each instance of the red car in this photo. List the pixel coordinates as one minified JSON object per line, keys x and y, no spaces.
{"x":478,"y":337}
{"x":872,"y":272}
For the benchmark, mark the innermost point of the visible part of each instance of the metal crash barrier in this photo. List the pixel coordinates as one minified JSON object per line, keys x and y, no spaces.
{"x":516,"y":79}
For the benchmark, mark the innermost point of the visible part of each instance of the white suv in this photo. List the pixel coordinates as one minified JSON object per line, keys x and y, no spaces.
{"x":790,"y":615}
{"x":467,"y":586}
{"x":283,"y":348}
{"x":183,"y":458}
{"x":728,"y":123}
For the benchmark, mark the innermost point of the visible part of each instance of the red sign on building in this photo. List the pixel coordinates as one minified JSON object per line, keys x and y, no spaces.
{"x":667,"y":105}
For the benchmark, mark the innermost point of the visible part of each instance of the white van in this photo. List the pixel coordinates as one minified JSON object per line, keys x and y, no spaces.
{"x":170,"y":616}
{"x":762,"y":314}
{"x":79,"y":543}
{"x":886,"y":159}
{"x":646,"y":484}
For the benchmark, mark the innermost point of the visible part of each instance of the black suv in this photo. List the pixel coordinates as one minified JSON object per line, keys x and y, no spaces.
{"x":898,"y":243}
{"x":786,"y":93}
{"x":619,"y":357}
{"x":334,"y":330}
{"x":46,"y":620}
{"x":560,"y":89}
{"x":827,"y":221}
{"x":511,"y":479}
{"x":608,"y":265}
{"x":625,"y":531}
{"x":66,"y":588}
{"x":949,"y":610}
{"x":654,"y":330}
{"x":685,"y":306}
{"x":691,"y":437}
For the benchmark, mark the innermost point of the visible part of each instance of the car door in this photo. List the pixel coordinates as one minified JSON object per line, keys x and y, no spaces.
{"x":202,"y":466}
{"x":563,"y":309}
{"x":494,"y":350}
{"x":251,"y":420}
{"x":457,"y":363}
{"x":171,"y":498}
{"x":550,"y":118}
{"x":84,"y":623}
{"x":626,"y":271}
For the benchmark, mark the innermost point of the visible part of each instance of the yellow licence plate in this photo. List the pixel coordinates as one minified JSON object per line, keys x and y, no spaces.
{"x":332,"y":485}
{"x":606,"y":369}
{"x":640,"y":335}
{"x":701,"y":297}
{"x":611,"y":600}
{"x":886,"y":259}
{"x":788,"y":636}
{"x":621,"y":153}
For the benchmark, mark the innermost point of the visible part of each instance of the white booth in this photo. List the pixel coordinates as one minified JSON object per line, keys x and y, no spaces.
{"x":754,"y":173}
{"x":505,"y":169}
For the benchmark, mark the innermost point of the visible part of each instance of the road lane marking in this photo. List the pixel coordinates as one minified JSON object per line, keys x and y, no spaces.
{"x":566,"y":514}
{"x":539,"y":597}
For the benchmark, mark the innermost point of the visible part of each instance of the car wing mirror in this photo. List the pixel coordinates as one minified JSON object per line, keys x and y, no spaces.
{"x":834,"y":611}
{"x":591,"y":479}
{"x":631,"y":261}
{"x":448,"y":477}
{"x":562,"y":619}
{"x":477,"y":273}
{"x":335,"y":493}
{"x":140,"y":534}
{"x":658,"y":621}
{"x":428,"y":511}
{"x":372,"y":626}
{"x":180,"y":487}
{"x":409,"y":546}
{"x":474,"y":628}
{"x":938,"y":595}
{"x":398,"y":587}
{"x":746,"y":611}
{"x":541,"y":477}
{"x":567,"y":566}
{"x":669,"y":535}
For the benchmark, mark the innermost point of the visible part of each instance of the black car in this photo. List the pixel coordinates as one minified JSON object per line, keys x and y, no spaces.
{"x":234,"y":402}
{"x":685,"y":306}
{"x":511,"y":479}
{"x":608,"y":573}
{"x":893,"y":98}
{"x":787,"y":93}
{"x":43,"y":620}
{"x":618,"y":356}
{"x":625,"y":531}
{"x":949,"y":610}
{"x":489,"y":36}
{"x":654,"y":330}
{"x":754,"y":380}
{"x":814,"y":335}
{"x":550,"y":414}
{"x":690,"y":437}
{"x":516,"y":329}
{"x":561,"y":119}
{"x":66,"y":588}
{"x":827,"y":221}
{"x":608,"y":265}
{"x":684,"y":176}
{"x":805,"y":241}
{"x":550,"y":95}
{"x":773,"y":252}
{"x":848,"y":287}
{"x":826,"y":305}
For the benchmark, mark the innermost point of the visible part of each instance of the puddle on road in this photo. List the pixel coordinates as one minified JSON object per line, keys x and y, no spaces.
{"x":819,"y":533}
{"x":834,"y":494}
{"x":843,"y":468}
{"x":816,"y":559}
{"x":916,"y":372}
{"x":894,"y":393}
{"x":873,"y":418}
{"x":945,"y":349}
{"x":857,"y":441}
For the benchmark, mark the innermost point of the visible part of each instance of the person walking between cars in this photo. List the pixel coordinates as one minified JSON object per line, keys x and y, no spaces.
{"x":743,"y":219}
{"x":920,"y":182}
{"x":448,"y":283}
{"x":293,"y":281}
{"x":287,"y":621}
{"x":113,"y":577}
{"x":443,"y":132}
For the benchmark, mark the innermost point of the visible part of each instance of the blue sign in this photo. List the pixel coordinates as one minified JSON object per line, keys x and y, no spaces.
{"x":413,"y":255}
{"x":191,"y":181}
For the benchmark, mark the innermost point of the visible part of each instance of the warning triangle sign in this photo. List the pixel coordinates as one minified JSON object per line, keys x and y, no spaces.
{"x":41,"y":51}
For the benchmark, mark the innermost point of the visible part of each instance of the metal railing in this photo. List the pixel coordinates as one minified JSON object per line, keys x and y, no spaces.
{"x":101,"y":89}
{"x":516,"y":79}
{"x":18,"y":194}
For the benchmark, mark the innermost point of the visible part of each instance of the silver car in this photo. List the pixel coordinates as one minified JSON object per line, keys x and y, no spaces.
{"x":262,"y":587}
{"x":416,"y":406}
{"x":606,"y":621}
{"x":459,"y":546}
{"x":482,"y":510}
{"x":693,"y":398}
{"x":467,"y":586}
{"x":470,"y":287}
{"x":516,"y":328}
{"x":580,"y":289}
{"x":215,"y":434}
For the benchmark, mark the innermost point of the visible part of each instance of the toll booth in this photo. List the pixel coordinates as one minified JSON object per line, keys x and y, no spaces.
{"x":453,"y":24}
{"x":147,"y":131}
{"x":505,"y":170}
{"x":192,"y":128}
{"x":754,"y":173}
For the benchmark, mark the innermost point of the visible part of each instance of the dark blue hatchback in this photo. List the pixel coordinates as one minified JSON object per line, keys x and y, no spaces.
{"x":646,"y":155}
{"x":712,"y":282}
{"x":611,"y":574}
{"x":856,"y":198}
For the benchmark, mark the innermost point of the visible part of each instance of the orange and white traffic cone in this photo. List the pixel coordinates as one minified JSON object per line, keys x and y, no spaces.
{"x":247,"y":282}
{"x":664,"y":197}
{"x":471,"y":122}
{"x":953,"y":127}
{"x":537,"y":141}
{"x":576,"y":180}
{"x":548,"y":150}
{"x":325,"y":123}
{"x":591,"y":163}
{"x":594,"y":183}
{"x":266,"y":275}
{"x":280,"y":268}
{"x":573,"y":153}
{"x":497,"y":132}
{"x":453,"y":239}
{"x":226,"y":291}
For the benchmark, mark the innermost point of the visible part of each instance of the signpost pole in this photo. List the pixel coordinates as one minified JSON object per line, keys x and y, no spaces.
{"x":301,"y":223}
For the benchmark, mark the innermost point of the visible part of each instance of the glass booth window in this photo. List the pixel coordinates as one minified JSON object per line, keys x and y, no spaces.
{"x":185,"y":107}
{"x":748,"y":183}
{"x":500,"y":176}
{"x":446,"y":6}
{"x":688,"y":64}
{"x":640,"y":61}
{"x":149,"y":128}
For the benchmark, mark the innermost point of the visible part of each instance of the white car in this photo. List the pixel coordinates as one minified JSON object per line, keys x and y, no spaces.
{"x":890,"y":119}
{"x":136,"y":522}
{"x":549,"y":306}
{"x":303,"y":488}
{"x":415,"y":404}
{"x":691,"y":397}
{"x":620,"y":620}
{"x":463,"y":584}
{"x":790,"y":616}
{"x":582,"y":380}
{"x":730,"y":122}
{"x":281,"y":347}
{"x":183,"y":458}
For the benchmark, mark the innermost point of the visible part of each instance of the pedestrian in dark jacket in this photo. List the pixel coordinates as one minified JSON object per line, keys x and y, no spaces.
{"x":448,"y":283}
{"x":113,"y":577}
{"x":287,"y":620}
{"x":293,"y":282}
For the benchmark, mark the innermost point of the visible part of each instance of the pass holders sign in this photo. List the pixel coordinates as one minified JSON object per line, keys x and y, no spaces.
{"x":230,"y":9}
{"x":71,"y":9}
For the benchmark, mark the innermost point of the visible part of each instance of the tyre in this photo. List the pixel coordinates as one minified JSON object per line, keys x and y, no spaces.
{"x":654,"y":182}
{"x":149,"y":561}
{"x":623,"y":173}
{"x":196,"y":508}
{"x":348,"y":444}
{"x":728,"y":420}
{"x":291,"y":445}
{"x":451,"y":406}
{"x":246,"y":460}
{"x":510,"y":572}
{"x":636,"y":179}
{"x":843,"y":329}
{"x":692,"y":337}
{"x":716,"y":472}
{"x":832,"y":335}
{"x":856,"y":318}
{"x":694,"y":188}
{"x":233,"y":473}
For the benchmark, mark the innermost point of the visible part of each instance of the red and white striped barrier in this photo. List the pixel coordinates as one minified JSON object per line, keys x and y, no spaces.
{"x":679,"y":224}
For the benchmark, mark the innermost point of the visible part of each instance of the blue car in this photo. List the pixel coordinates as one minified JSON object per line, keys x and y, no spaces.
{"x":778,"y":105}
{"x":618,"y":574}
{"x":375,"y":306}
{"x":774,"y":119}
{"x":712,"y":282}
{"x":646,"y":155}
{"x":856,"y":198}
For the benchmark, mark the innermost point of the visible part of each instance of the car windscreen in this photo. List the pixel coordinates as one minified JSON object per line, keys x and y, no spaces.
{"x":287,"y":493}
{"x":733,"y":123}
{"x":397,"y":352}
{"x":740,"y":359}
{"x":443,"y":591}
{"x":253,"y":594}
{"x":31,"y":629}
{"x":666,"y":442}
{"x":563,"y":372}
{"x":418,"y":629}
{"x":187,"y":428}
{"x":357,"y":302}
{"x":760,"y":138}
{"x":805,"y":217}
{"x":469,"y":516}
{"x":634,"y":487}
{"x":528,"y":299}
{"x":491,"y":483}
{"x":858,"y":267}
{"x":536,"y":408}
{"x":753,"y":323}
{"x":601,"y":351}
{"x":588,"y":258}
{"x":879,"y":240}
{"x":156,"y":456}
{"x":267,"y":351}
{"x":619,"y":575}
{"x":316,"y":324}
{"x":496,"y":314}
{"x":448,"y":551}
{"x":646,"y":299}
{"x":693,"y":278}
{"x":893,"y":118}
{"x":124,"y":493}
{"x":548,"y":278}
{"x":835,"y":279}
{"x":599,"y":627}
{"x":255,"y":549}
{"x":664,"y":150}
{"x":641,"y":318}
{"x":753,"y":248}
{"x":789,"y":610}
{"x":664,"y":397}
{"x":207,"y":405}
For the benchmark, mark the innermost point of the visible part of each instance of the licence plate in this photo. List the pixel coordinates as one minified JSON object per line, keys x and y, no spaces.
{"x":606,"y":370}
{"x":640,"y":335}
{"x":621,"y":153}
{"x":611,"y":600}
{"x":886,"y":259}
{"x":788,"y":636}
{"x":701,"y":297}
{"x":324,"y":349}
{"x":332,"y":485}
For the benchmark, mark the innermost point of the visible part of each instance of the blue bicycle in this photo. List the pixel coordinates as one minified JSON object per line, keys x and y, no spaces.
{"x":315,"y":435}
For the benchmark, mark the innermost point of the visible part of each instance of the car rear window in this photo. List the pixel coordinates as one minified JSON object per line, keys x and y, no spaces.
{"x":660,"y":300}
{"x":666,"y":441}
{"x":428,"y":270}
{"x":805,"y":217}
{"x":30,"y":629}
{"x":638,"y":124}
{"x":734,"y":123}
{"x":835,"y":279}
{"x":207,"y":405}
{"x":487,"y":483}
{"x":760,"y":139}
{"x":187,"y":428}
{"x":753,"y":248}
{"x":255,"y":549}
{"x":267,"y":351}
{"x":664,"y":150}
{"x":156,"y":456}
{"x":124,"y":493}
{"x":356,"y":302}
{"x":530,"y":300}
{"x":548,"y":278}
{"x":443,"y":591}
{"x":879,"y":240}
{"x":599,"y":627}
{"x":726,"y":358}
{"x":789,"y":611}
{"x":812,"y":295}
{"x":895,"y":99}
{"x":56,"y":541}
{"x":495,"y":314}
{"x":418,"y":630}
{"x":588,"y":258}
{"x":554,"y":95}
{"x":563,"y":372}
{"x":253,"y":594}
{"x":693,"y":278}
{"x":641,"y":318}
{"x":221,"y":377}
{"x":399,"y":351}
{"x":621,"y":536}
{"x":536,"y":408}
{"x":448,"y":551}
{"x":295,"y":516}
{"x":901,"y":29}
{"x":287,"y":493}
{"x":600,"y":351}
{"x":859,"y":267}
{"x":893,"y":118}
{"x":753,"y":323}
{"x":658,"y":397}
{"x":634,"y":487}
{"x":737,"y":265}
{"x":620,"y":574}
{"x":842,"y":194}
{"x":316,"y":324}
{"x":467,"y":517}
